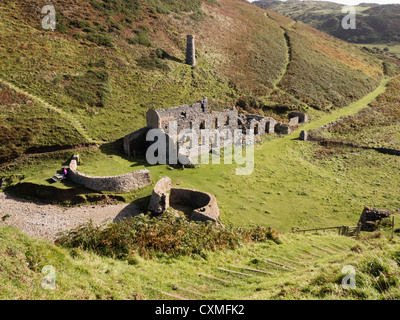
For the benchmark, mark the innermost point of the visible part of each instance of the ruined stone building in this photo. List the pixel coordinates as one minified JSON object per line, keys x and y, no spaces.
{"x":197,"y":117}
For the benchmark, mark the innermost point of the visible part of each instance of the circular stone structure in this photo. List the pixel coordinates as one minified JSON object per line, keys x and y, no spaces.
{"x":204,"y":205}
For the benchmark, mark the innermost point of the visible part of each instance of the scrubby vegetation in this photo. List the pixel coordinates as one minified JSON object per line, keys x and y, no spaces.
{"x":82,"y":274}
{"x":90,"y":89}
{"x":376,"y":277}
{"x":165,"y":235}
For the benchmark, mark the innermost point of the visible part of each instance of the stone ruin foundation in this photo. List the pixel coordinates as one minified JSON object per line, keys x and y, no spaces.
{"x":370,"y":216}
{"x":204,"y":205}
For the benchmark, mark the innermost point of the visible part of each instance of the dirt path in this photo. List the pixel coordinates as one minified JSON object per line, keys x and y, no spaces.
{"x":45,"y":221}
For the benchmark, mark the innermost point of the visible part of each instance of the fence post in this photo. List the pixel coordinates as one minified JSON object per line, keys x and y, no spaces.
{"x":393,"y":227}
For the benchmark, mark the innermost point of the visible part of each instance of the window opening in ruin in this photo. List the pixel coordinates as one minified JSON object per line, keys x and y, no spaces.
{"x":215,"y":125}
{"x":202,"y":125}
{"x":267,"y":127}
{"x":227,"y":121}
{"x":256,"y":129}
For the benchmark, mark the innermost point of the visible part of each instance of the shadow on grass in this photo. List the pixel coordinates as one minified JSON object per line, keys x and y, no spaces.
{"x":116,"y":148}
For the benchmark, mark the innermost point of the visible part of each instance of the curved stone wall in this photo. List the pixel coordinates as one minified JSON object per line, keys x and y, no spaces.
{"x":205,"y":206}
{"x":123,"y":183}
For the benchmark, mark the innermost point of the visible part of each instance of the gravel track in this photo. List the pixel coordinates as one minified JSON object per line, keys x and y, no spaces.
{"x":45,"y":221}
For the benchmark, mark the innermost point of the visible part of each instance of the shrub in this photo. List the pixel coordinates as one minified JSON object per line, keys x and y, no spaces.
{"x":115,"y":27}
{"x":112,"y":7}
{"x":151,"y":62}
{"x":92,"y":88}
{"x":164,"y":235}
{"x":79,"y":23}
{"x":141,"y":38}
{"x":100,"y":39}
{"x":375,"y":267}
{"x":197,"y":16}
{"x":61,"y":25}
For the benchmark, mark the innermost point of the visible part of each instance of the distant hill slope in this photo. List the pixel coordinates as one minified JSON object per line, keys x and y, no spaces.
{"x":375,"y":23}
{"x":109,"y":61}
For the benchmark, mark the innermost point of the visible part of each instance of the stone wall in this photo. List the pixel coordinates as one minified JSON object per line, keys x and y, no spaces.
{"x":197,"y":117}
{"x":294,"y":122}
{"x":123,"y":183}
{"x":159,"y":201}
{"x":303,"y":117}
{"x":259,"y":125}
{"x":205,"y":206}
{"x":303,"y":135}
{"x":370,"y":216}
{"x":281,"y":128}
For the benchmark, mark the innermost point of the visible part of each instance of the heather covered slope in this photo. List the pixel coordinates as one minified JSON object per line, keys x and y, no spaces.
{"x":109,"y":61}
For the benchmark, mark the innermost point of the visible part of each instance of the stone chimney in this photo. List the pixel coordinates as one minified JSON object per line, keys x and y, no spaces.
{"x":190,"y":51}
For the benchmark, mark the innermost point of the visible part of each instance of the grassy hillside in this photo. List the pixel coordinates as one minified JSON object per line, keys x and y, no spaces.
{"x":316,"y":261}
{"x":27,"y":125}
{"x":108,"y":62}
{"x":375,"y":23}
